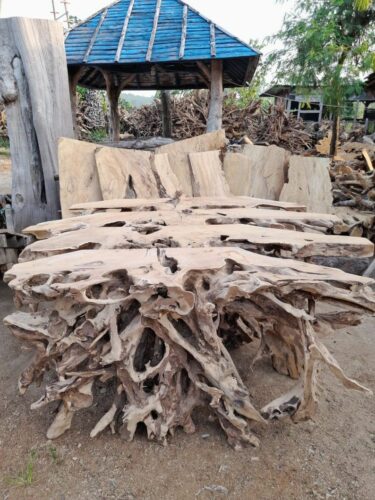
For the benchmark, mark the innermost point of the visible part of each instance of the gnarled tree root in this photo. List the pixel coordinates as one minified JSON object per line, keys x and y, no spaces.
{"x":160,"y":325}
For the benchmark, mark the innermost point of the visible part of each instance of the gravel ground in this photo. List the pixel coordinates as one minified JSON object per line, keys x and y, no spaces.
{"x":331,"y":458}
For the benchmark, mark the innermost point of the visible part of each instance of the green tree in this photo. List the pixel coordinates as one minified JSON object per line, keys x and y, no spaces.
{"x":242,"y":96}
{"x":328,"y":44}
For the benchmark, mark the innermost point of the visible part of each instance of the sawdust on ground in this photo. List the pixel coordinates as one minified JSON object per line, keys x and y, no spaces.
{"x":333,"y":458}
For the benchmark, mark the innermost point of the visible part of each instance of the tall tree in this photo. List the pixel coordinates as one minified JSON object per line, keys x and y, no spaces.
{"x":328,"y":44}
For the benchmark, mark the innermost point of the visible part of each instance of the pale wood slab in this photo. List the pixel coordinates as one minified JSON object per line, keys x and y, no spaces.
{"x":206,"y":142}
{"x":277,"y":242}
{"x":185,"y":203}
{"x":128,"y":205}
{"x":309,"y":183}
{"x":180,"y":166}
{"x":79,"y":180}
{"x":208,"y":175}
{"x":167,"y":177}
{"x":125,"y":173}
{"x":268,"y":173}
{"x":300,"y":221}
{"x":238,"y":173}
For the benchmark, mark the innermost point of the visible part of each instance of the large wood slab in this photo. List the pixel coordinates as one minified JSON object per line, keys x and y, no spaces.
{"x":185,"y":203}
{"x":206,"y":142}
{"x":268,"y":173}
{"x":180,"y":166}
{"x":79,"y":181}
{"x":268,"y":241}
{"x":125,"y":173}
{"x":208,"y":175}
{"x":309,"y":183}
{"x":238,"y":173}
{"x":168,"y":179}
{"x":300,"y":221}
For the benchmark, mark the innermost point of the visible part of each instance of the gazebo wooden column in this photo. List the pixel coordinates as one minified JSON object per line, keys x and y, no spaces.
{"x":74,"y":76}
{"x":114,"y":87}
{"x":215,"y":115}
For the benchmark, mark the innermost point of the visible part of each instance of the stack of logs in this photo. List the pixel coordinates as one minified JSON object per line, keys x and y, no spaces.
{"x":189,"y":113}
{"x":150,"y":298}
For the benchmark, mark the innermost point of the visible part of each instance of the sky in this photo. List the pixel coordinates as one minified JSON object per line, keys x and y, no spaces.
{"x":247,"y":19}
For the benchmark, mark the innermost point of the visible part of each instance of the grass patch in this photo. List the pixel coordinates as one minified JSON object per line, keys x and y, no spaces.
{"x":4,"y":147}
{"x":26,"y":477}
{"x":54,"y":455}
{"x":98,"y":135}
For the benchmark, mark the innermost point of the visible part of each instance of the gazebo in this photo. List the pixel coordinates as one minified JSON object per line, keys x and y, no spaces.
{"x":156,"y":45}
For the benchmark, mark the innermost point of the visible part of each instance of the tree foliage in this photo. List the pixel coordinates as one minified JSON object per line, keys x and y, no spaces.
{"x":328,"y":44}
{"x":242,"y":96}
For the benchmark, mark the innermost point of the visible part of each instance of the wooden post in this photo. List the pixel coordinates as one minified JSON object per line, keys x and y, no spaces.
{"x":74,"y":77}
{"x":165,"y":98}
{"x":215,"y":115}
{"x":114,"y":89}
{"x":34,"y":88}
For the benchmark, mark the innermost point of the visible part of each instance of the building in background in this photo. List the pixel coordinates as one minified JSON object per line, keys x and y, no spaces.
{"x":307,"y":105}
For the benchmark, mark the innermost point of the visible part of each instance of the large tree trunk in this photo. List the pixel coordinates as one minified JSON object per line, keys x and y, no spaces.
{"x":335,"y":133}
{"x":34,"y":88}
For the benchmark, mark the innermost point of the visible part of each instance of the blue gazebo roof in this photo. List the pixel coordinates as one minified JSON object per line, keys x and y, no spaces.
{"x":161,"y":41}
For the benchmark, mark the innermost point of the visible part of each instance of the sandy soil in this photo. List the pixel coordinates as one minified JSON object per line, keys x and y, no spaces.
{"x":333,"y":458}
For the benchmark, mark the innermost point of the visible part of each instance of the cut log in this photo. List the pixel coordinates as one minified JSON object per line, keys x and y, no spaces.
{"x":276,"y":242}
{"x":125,"y":174}
{"x":208,"y":175}
{"x":159,"y":327}
{"x":309,"y":183}
{"x":79,"y":181}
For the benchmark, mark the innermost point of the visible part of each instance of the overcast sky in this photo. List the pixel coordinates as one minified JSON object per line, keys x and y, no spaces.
{"x":247,"y":19}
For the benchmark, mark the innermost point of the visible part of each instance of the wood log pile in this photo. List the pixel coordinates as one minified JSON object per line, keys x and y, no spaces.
{"x":91,"y":113}
{"x":151,"y":300}
{"x":189,"y":117}
{"x":354,"y":176}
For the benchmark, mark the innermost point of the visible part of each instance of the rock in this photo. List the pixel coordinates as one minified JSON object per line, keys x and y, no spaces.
{"x":214,"y":488}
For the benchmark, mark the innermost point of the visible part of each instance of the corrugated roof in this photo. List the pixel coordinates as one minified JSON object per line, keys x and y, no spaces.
{"x":150,"y":31}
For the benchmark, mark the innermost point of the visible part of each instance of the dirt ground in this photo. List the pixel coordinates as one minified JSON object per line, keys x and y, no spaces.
{"x":333,"y":458}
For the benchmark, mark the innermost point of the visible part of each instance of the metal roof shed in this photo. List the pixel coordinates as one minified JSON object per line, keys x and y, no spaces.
{"x":156,"y":45}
